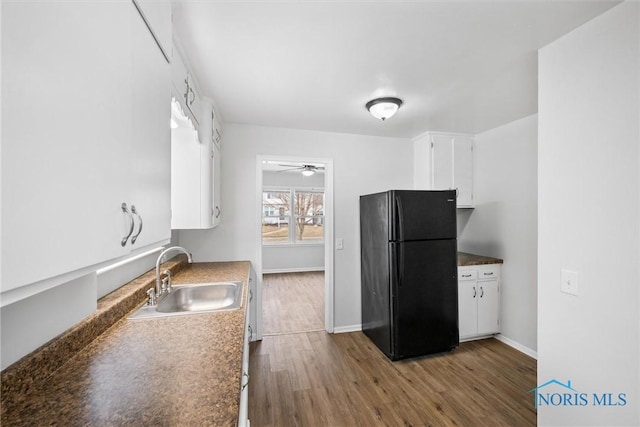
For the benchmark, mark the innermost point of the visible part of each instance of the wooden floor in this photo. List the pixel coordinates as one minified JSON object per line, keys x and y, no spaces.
{"x":319,"y":379}
{"x":292,"y":302}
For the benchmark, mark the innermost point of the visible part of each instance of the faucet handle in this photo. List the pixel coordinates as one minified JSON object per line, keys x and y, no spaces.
{"x":151,"y":296}
{"x":166,"y":282}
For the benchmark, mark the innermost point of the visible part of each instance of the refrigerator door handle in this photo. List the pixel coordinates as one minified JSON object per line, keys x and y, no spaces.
{"x":397,"y":264}
{"x":399,"y":220}
{"x":400,"y":264}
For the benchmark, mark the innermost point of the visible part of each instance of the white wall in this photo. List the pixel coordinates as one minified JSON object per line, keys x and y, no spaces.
{"x":504,"y":221}
{"x":288,"y":258}
{"x":362,"y":164}
{"x":589,"y":210}
{"x":29,"y":323}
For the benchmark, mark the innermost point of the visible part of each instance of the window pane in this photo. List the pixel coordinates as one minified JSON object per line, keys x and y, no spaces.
{"x":275,"y":216}
{"x":275,"y":230}
{"x":309,"y":211}
{"x":310,"y":229}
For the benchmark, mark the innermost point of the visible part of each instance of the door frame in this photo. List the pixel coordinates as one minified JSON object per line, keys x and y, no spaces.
{"x":328,"y":236}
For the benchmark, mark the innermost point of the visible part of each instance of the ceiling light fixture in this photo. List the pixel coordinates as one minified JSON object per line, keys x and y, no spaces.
{"x":383,"y":108}
{"x":308,"y":170}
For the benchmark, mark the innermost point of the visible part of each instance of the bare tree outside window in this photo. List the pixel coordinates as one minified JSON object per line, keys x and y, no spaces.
{"x":306,"y":225}
{"x":309,"y":210}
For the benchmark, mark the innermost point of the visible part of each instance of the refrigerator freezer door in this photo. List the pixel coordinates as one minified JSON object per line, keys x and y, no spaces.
{"x":422,"y":215}
{"x":425,"y":298}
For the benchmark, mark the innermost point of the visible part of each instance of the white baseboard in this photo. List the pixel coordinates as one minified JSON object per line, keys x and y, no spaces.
{"x":292,"y":270}
{"x":521,"y":348}
{"x":345,"y":329}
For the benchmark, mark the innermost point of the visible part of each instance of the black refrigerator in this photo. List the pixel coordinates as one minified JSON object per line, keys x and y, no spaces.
{"x":408,"y":246}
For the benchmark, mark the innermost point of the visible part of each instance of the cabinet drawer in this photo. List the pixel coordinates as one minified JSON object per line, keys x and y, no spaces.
{"x":491,"y":271}
{"x":470,"y":274}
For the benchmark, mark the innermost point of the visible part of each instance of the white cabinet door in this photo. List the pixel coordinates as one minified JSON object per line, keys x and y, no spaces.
{"x":194,"y":161}
{"x":488,"y":305}
{"x":452,"y":166}
{"x":442,"y":162}
{"x":185,"y":178}
{"x":151,"y":138}
{"x":243,"y":411}
{"x":467,"y":308}
{"x":217,"y":185}
{"x":463,"y":169}
{"x":253,"y":306}
{"x":66,"y":120}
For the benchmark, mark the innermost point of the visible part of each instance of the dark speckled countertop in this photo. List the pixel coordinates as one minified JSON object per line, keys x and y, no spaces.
{"x":466,"y":259}
{"x":180,"y":370}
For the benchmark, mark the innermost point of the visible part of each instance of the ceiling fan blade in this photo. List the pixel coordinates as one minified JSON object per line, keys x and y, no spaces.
{"x":290,"y":169}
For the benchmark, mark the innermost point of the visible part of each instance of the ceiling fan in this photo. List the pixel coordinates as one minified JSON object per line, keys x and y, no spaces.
{"x":307,"y":170}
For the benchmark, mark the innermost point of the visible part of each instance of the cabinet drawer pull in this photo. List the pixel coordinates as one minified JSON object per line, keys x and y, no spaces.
{"x":217,"y":210}
{"x":135,"y":212}
{"x":250,"y":333}
{"x":481,"y":291}
{"x":250,"y":293}
{"x":466,"y":275}
{"x":488,"y":274}
{"x":474,"y":292}
{"x":194,"y":97}
{"x":126,"y":210}
{"x":245,"y":384}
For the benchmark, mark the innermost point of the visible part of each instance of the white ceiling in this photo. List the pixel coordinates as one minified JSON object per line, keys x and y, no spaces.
{"x":461,"y":66}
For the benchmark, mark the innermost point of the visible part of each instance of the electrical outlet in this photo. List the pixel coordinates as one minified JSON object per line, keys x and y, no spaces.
{"x":339,"y":244}
{"x":569,"y":282}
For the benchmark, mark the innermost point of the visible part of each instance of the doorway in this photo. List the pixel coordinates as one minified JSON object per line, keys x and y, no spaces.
{"x":299,"y":251}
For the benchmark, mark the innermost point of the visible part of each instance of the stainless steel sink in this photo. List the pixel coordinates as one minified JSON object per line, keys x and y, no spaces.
{"x":195,"y":298}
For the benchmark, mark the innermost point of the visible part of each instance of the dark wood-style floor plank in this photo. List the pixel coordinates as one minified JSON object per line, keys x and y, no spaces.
{"x":319,"y":379}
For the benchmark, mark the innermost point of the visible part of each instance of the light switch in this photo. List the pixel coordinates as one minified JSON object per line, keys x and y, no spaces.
{"x":569,"y":284}
{"x":339,"y":244}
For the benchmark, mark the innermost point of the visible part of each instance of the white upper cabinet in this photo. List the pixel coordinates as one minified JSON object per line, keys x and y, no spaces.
{"x":85,"y":133}
{"x":185,"y":91}
{"x":195,"y":174}
{"x":216,"y":129}
{"x":452,"y":165}
{"x":216,"y":196}
{"x":151,"y":137}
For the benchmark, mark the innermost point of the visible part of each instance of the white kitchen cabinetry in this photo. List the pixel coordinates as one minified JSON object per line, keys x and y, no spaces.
{"x":216,"y":129}
{"x":216,"y":202}
{"x":185,"y":89}
{"x":253,"y":306}
{"x":151,"y":137}
{"x":243,"y":415}
{"x":452,"y":165}
{"x":478,"y":300}
{"x":195,"y":176}
{"x":81,"y":135}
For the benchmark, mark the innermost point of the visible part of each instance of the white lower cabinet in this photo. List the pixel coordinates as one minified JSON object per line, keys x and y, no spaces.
{"x":478,"y":300}
{"x":243,"y":415}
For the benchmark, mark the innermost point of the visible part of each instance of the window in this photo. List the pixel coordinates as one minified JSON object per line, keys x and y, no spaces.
{"x":292,"y":216}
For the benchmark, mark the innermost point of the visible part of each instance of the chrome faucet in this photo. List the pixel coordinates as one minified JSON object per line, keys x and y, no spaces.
{"x":160,"y":289}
